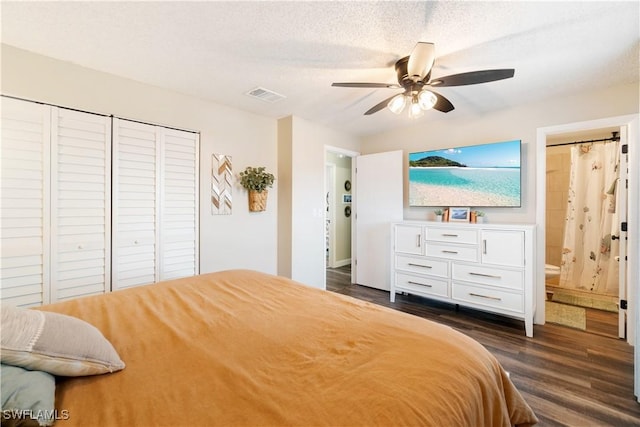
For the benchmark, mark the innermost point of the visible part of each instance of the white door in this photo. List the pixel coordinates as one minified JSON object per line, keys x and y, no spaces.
{"x":136,"y":189}
{"x":621,"y":204}
{"x":155,"y":203}
{"x":80,"y":204}
{"x":179,"y":204}
{"x":378,"y":202}
{"x":24,"y":203}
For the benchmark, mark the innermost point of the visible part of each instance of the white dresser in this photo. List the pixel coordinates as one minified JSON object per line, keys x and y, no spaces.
{"x":488,"y":267}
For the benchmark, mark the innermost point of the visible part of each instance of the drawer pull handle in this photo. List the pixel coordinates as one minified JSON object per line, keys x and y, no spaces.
{"x":449,"y":252}
{"x":418,"y":240}
{"x":485,"y":296}
{"x":449,"y":235}
{"x":418,"y":265}
{"x":421,"y":284}
{"x":485,"y":275}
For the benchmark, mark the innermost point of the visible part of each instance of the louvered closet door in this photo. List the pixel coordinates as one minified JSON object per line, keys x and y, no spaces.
{"x":155,"y":204}
{"x":24,"y":203}
{"x":136,"y":192}
{"x":80,"y":204}
{"x":179,"y":225}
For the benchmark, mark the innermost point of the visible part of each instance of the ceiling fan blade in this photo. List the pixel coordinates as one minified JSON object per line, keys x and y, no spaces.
{"x":473,"y":77}
{"x":370,"y":85}
{"x":442,"y":104}
{"x":421,"y":60}
{"x":379,"y":106}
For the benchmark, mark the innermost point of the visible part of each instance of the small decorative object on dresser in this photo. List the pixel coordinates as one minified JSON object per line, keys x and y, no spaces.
{"x":439,"y":213}
{"x":256,"y":180}
{"x":479,"y":217}
{"x":486,"y":267}
{"x":459,"y":214}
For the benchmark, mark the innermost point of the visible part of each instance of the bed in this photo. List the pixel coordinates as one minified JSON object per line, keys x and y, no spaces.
{"x":243,"y":348}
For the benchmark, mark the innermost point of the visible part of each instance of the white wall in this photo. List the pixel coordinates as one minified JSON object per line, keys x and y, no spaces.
{"x":240,"y":240}
{"x":304,"y":143}
{"x":520,"y":122}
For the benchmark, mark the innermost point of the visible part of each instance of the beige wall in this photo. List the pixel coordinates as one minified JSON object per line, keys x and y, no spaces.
{"x":304,"y":235}
{"x":438,"y":130}
{"x":558,"y":167}
{"x":240,"y":240}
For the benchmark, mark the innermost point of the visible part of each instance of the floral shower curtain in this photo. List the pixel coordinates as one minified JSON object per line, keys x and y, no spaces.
{"x":588,"y":255}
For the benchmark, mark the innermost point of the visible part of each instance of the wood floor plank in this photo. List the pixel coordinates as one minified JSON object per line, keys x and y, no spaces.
{"x":569,"y":377}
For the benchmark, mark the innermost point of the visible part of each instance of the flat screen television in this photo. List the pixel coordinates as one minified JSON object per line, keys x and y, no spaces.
{"x":484,"y":175}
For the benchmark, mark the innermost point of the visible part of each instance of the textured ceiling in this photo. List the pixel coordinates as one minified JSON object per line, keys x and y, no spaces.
{"x":221,"y":50}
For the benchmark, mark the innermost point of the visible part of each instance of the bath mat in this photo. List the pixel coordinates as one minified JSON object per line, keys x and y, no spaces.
{"x":584,"y":300}
{"x":566,"y":315}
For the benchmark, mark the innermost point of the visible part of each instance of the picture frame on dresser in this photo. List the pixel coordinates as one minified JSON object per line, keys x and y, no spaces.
{"x":458,"y":214}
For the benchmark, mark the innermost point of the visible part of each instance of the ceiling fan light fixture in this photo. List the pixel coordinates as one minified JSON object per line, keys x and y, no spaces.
{"x":397,"y":103}
{"x":415,"y":109}
{"x":427,"y":99}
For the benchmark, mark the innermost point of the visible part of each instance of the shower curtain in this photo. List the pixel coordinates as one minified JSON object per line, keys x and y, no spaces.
{"x":588,"y":255}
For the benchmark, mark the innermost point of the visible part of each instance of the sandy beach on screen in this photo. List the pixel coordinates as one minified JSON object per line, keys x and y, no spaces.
{"x":441,"y":195}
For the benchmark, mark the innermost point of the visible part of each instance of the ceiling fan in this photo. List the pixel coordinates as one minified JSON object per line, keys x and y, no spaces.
{"x":414,"y":76}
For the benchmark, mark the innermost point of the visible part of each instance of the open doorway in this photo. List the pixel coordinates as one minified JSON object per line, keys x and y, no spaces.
{"x":628,"y":127}
{"x":585,"y":204}
{"x":339,"y":189}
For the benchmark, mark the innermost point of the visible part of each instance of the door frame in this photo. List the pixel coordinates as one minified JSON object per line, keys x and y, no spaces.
{"x":330,"y":213}
{"x":354,"y":201}
{"x":631,"y":123}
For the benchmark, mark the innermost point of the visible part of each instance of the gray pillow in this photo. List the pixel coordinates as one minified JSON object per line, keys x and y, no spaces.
{"x":27,"y":397}
{"x":55,"y":343}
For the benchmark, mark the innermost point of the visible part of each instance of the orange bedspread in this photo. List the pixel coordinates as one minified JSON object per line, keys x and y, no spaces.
{"x":241,"y":348}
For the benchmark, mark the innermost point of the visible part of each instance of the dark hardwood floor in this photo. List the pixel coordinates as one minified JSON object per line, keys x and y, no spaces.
{"x":569,"y":377}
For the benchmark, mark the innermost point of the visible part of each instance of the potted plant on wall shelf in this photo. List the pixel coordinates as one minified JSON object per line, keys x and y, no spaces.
{"x":256,"y":181}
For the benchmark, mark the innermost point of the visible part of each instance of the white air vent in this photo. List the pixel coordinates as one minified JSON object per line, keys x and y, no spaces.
{"x":265,"y":95}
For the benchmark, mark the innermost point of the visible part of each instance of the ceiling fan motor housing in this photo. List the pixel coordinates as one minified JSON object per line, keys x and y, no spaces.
{"x":410,"y":85}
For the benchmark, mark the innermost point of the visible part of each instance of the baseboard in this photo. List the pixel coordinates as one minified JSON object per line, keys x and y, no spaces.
{"x":342,"y":262}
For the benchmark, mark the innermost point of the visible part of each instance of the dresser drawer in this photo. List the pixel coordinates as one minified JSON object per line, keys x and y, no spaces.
{"x":421,"y":285}
{"x":453,"y":235}
{"x":452,"y":252}
{"x":422,"y":265}
{"x":510,"y":279}
{"x":490,"y":298}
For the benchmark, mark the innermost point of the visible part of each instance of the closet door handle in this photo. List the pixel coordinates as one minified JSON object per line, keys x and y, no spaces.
{"x":418,"y":240}
{"x":418,"y":265}
{"x":484,"y":246}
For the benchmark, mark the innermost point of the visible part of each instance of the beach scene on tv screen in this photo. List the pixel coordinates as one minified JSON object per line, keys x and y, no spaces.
{"x":478,"y":175}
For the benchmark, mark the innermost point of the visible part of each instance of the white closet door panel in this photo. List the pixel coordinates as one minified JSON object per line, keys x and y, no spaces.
{"x":136,"y":182}
{"x":21,"y":231}
{"x":179,"y":219}
{"x":22,"y":271}
{"x":81,"y":175}
{"x":24,"y":202}
{"x":21,"y":247}
{"x":83,"y":289}
{"x":91,"y":255}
